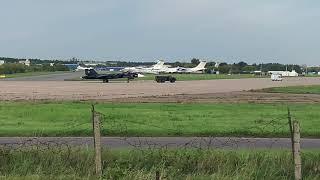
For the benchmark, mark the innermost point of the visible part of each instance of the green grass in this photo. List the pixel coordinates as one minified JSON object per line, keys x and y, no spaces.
{"x":313,"y":89}
{"x":32,"y":74}
{"x":143,"y":164}
{"x":155,"y":119}
{"x":190,"y":77}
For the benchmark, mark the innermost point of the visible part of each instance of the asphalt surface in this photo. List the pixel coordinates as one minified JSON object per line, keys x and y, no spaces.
{"x":161,"y":142}
{"x":48,"y":77}
{"x":94,"y":90}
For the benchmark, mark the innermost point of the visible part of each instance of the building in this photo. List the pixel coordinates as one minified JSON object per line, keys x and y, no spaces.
{"x":1,"y":62}
{"x":293,"y":73}
{"x":26,"y":62}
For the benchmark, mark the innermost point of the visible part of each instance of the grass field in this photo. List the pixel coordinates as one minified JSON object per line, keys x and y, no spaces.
{"x":315,"y":89}
{"x":31,"y":74}
{"x":155,"y":119}
{"x":143,"y":164}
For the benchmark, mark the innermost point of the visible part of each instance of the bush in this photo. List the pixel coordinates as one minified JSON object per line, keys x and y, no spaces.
{"x":11,"y":68}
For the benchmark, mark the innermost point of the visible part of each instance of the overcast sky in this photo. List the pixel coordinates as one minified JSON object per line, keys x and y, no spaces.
{"x":285,"y":31}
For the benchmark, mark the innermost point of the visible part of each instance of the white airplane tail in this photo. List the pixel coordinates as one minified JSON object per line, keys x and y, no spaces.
{"x":200,"y":66}
{"x":159,"y":65}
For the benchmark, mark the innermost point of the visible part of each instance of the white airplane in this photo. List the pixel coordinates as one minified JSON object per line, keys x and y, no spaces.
{"x":155,"y":69}
{"x":198,"y":68}
{"x":217,"y":65}
{"x":80,"y":68}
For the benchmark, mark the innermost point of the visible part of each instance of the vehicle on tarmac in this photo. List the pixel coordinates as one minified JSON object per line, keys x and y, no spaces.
{"x":276,"y":77}
{"x":162,"y":79}
{"x":92,"y":74}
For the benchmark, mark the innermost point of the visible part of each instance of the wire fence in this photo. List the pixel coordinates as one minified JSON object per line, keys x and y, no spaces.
{"x":121,"y":128}
{"x":274,"y":125}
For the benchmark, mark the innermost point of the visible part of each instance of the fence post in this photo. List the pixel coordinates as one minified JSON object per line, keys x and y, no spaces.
{"x":157,"y":175}
{"x":97,"y":141}
{"x":297,"y":155}
{"x":291,"y":132}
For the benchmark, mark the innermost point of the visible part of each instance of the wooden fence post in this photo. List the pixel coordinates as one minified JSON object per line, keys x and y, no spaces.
{"x":97,"y":141}
{"x":157,"y":175}
{"x":291,"y":132}
{"x":297,"y":155}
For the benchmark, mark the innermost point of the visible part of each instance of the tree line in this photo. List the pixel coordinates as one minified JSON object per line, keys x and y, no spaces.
{"x":12,"y":66}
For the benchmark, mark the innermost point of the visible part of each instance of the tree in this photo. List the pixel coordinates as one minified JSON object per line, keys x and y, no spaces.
{"x":249,"y":68}
{"x":224,"y":69}
{"x":11,"y":68}
{"x":176,"y":64}
{"x":223,"y":64}
{"x":195,"y":61}
{"x":242,"y":64}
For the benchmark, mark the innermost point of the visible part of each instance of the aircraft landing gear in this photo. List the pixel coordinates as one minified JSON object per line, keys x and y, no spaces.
{"x":105,"y":81}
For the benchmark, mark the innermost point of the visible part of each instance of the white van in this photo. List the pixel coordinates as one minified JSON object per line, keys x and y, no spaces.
{"x":276,"y":77}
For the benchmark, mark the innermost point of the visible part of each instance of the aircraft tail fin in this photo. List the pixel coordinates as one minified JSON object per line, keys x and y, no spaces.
{"x":159,"y":64}
{"x":201,"y":65}
{"x":90,"y":72}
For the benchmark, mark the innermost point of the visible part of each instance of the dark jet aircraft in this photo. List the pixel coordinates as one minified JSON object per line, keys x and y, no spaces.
{"x":92,"y":74}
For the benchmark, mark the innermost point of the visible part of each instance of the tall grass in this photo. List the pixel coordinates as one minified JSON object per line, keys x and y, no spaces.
{"x":142,"y":164}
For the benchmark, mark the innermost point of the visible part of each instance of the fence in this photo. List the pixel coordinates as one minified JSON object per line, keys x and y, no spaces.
{"x":293,"y":126}
{"x":99,"y":118}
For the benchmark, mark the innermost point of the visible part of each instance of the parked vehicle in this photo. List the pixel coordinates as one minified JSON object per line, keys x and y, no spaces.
{"x":162,"y":79}
{"x":276,"y":77}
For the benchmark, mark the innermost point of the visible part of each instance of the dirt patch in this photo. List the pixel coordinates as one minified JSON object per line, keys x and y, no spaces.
{"x":232,"y":97}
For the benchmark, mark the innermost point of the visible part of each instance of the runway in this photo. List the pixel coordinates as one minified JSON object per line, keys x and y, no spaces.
{"x":96,"y":90}
{"x":48,"y":77}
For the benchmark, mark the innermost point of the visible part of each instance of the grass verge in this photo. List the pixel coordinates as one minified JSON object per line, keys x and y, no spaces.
{"x":313,"y":89}
{"x":143,"y":164}
{"x":156,"y":119}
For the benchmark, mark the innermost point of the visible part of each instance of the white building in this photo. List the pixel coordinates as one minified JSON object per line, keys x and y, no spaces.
{"x":26,"y":62}
{"x":293,"y":73}
{"x":1,"y":62}
{"x":318,"y":73}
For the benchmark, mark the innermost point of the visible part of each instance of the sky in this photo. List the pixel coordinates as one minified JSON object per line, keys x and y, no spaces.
{"x":286,"y":31}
